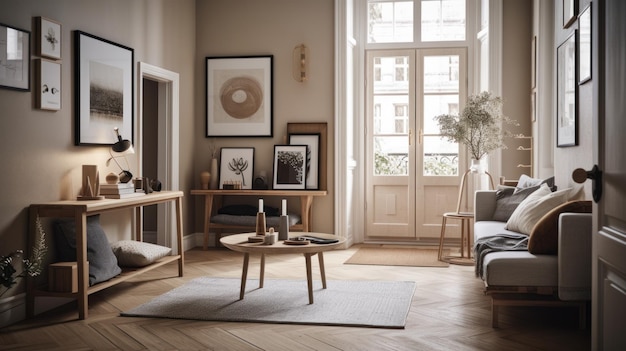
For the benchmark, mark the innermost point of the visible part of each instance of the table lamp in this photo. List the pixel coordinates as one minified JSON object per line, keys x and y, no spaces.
{"x":121,"y":148}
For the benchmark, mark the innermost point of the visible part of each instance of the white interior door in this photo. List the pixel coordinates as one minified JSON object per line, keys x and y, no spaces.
{"x":412,"y":174}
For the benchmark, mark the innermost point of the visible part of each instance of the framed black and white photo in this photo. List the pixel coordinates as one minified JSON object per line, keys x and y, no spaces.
{"x":14,"y":58}
{"x":289,"y":167}
{"x":103,"y":88}
{"x":236,"y":166}
{"x":584,"y":46}
{"x":312,"y":141}
{"x":567,"y":107}
{"x":320,"y":128}
{"x":49,"y":85}
{"x":49,"y":38}
{"x":569,"y":12}
{"x":239,"y":96}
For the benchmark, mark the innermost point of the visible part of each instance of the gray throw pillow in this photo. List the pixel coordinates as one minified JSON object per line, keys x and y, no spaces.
{"x":507,"y":200}
{"x":102,"y":262}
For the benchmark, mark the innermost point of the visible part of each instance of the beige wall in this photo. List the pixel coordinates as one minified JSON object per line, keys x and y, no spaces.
{"x":252,"y":27}
{"x":516,"y":39}
{"x":581,"y":156}
{"x":40,"y":161}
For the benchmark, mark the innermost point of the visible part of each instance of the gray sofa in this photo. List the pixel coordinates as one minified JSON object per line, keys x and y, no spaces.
{"x":521,"y":278}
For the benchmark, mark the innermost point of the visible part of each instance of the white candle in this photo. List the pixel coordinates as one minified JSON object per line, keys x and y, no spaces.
{"x":260,"y":205}
{"x":284,"y":207}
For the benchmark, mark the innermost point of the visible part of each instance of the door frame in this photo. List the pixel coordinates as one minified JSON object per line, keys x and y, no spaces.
{"x":168,"y":153}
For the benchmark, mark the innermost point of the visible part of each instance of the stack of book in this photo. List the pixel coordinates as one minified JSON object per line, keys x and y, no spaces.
{"x":120,"y":190}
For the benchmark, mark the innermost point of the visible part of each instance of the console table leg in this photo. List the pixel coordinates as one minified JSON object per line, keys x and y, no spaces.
{"x":244,"y":275}
{"x":309,"y":278}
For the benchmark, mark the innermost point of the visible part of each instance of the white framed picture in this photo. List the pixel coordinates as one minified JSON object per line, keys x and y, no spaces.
{"x":49,"y":38}
{"x":49,"y":85}
{"x":236,"y":167}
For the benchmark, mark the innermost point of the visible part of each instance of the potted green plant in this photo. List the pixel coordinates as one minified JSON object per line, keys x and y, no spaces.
{"x":30,"y":267}
{"x":479,"y":126}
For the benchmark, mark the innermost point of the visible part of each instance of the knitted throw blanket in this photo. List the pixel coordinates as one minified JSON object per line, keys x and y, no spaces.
{"x":498,"y":242}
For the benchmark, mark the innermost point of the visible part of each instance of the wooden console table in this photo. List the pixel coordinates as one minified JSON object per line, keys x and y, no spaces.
{"x":80,"y":210}
{"x":306,"y":201}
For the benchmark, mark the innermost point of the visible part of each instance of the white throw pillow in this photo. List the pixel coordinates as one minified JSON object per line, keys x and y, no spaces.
{"x":537,"y":204}
{"x":131,"y":253}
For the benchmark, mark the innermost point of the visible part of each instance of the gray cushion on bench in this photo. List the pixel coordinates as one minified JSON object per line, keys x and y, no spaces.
{"x":250,"y":221}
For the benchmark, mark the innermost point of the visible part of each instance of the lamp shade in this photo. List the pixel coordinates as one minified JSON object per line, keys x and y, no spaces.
{"x":122,"y":145}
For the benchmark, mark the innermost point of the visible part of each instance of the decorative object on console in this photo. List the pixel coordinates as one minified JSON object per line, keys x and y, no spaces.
{"x":90,"y":184}
{"x":121,"y":148}
{"x":300,"y":64}
{"x":205,"y":178}
{"x":239,"y":96}
{"x":104,"y":84}
{"x":289,"y":166}
{"x":19,"y":76}
{"x":237,"y":164}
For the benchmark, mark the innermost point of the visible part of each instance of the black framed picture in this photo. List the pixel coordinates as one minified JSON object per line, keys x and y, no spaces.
{"x":569,"y":12}
{"x":103,"y":89}
{"x":567,"y":89}
{"x":14,"y":58}
{"x":289,"y":167}
{"x":312,"y":141}
{"x":584,"y":46}
{"x":239,"y":96}
{"x":236,"y":167}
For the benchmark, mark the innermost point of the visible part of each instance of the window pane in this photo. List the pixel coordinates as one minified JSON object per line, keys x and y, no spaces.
{"x":441,"y":74}
{"x":441,"y":157}
{"x":443,"y":20}
{"x":435,"y":105}
{"x":390,"y":21}
{"x":391,"y":155}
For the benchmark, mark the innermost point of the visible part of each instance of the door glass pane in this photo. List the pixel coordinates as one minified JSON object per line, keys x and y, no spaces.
{"x":435,"y":105}
{"x":390,"y":21}
{"x":391,"y":115}
{"x":441,"y":157}
{"x":443,"y":20}
{"x":391,"y":155}
{"x":441,"y":74}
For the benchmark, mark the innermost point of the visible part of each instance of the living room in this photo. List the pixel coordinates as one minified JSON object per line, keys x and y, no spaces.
{"x":178,"y":36}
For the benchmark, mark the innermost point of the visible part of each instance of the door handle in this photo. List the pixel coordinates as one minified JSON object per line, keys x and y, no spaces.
{"x":595,"y":174}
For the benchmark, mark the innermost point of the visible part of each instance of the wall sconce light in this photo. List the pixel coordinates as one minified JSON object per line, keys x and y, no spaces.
{"x":300,"y":63}
{"x":121,"y":148}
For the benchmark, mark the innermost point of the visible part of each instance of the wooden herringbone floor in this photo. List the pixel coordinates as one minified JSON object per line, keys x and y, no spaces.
{"x":449,"y":312}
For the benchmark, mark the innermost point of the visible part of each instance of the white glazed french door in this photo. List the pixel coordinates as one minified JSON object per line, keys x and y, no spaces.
{"x":412,"y":174}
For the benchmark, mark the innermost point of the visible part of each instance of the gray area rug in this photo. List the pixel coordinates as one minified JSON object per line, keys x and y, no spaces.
{"x":383,"y":304}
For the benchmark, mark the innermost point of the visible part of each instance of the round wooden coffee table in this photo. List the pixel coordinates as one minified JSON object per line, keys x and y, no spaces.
{"x":239,"y":243}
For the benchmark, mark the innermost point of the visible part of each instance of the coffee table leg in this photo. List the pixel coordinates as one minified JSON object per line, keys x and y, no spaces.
{"x":320,"y":256}
{"x":309,"y":278}
{"x":244,"y":275}
{"x":262,"y":274}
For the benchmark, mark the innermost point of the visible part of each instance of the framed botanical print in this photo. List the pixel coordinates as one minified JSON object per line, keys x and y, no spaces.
{"x":289,"y":167}
{"x":49,"y":38}
{"x":49,"y":85}
{"x":236,"y":167}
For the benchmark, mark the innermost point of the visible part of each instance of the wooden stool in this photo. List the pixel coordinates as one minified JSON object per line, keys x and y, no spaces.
{"x":466,"y":219}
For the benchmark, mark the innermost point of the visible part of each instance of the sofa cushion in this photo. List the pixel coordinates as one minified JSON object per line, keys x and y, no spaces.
{"x":490,"y":228}
{"x":102,"y":262}
{"x":520,"y":268}
{"x":526,"y":182}
{"x":537,"y":204}
{"x":507,"y":200}
{"x":544,"y":237}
